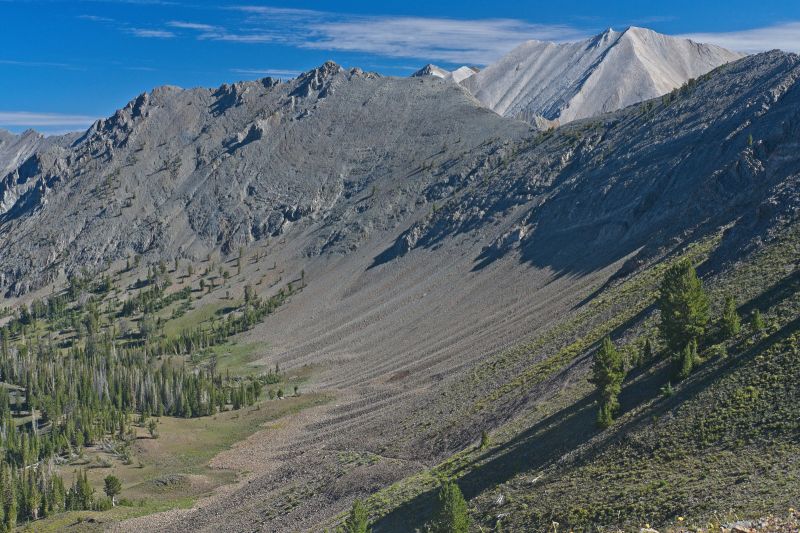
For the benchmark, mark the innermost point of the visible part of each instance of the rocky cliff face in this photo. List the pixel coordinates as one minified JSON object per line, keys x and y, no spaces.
{"x":181,"y":172}
{"x":14,"y":151}
{"x":719,"y":150}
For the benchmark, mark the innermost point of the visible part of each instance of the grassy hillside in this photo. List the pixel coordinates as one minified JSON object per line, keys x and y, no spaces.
{"x":73,"y":410}
{"x":718,"y":446}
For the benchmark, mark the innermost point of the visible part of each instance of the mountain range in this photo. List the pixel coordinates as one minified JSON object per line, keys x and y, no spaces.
{"x":548,"y":84}
{"x":463,"y":246}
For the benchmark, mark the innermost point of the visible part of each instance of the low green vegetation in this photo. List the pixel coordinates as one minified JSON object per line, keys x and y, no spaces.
{"x":701,"y":393}
{"x":451,"y":515}
{"x":608,"y":372}
{"x":358,"y":519}
{"x":94,"y":366}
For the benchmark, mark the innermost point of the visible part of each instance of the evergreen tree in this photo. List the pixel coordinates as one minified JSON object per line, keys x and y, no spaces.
{"x":687,"y":359}
{"x":608,"y":372}
{"x":249,"y":294}
{"x":11,"y":509}
{"x":452,"y":514}
{"x":757,"y":321}
{"x":358,"y":520}
{"x":649,"y":351}
{"x":731,"y":323}
{"x":112,"y":487}
{"x":684,"y":306}
{"x":152,"y":428}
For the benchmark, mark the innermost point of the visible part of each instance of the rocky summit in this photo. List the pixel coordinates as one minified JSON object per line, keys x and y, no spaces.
{"x":547,"y":83}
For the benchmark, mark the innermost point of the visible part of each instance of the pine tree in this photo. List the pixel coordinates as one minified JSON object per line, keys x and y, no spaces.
{"x":649,"y":351}
{"x":608,"y":373}
{"x":684,"y":306}
{"x":731,"y":323}
{"x":152,"y":428}
{"x":11,"y":510}
{"x":687,"y":359}
{"x":358,"y":520}
{"x":112,"y":487}
{"x":452,"y":515}
{"x":757,"y":321}
{"x":249,"y":294}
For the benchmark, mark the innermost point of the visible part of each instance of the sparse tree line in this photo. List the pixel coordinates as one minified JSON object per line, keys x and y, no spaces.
{"x":57,"y":396}
{"x":685,"y":329}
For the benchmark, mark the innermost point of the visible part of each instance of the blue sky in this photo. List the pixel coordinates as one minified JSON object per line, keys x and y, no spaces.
{"x":65,"y":63}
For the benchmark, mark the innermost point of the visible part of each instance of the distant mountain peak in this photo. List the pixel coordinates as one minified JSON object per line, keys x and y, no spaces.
{"x":558,"y":83}
{"x":458,"y":75}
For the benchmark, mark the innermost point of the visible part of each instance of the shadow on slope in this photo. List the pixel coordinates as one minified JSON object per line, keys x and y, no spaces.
{"x":568,"y":431}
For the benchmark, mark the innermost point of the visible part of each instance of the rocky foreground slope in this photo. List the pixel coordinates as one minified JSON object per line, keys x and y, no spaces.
{"x":547,"y":83}
{"x":460,"y":269}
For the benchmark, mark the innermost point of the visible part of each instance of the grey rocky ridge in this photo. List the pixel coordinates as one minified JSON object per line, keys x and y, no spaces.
{"x":14,"y":151}
{"x":181,"y":172}
{"x":459,"y":268}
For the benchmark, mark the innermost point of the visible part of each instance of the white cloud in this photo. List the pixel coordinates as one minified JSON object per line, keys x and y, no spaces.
{"x":25,"y":118}
{"x":151,"y":34}
{"x":95,"y":18}
{"x":48,"y":64}
{"x":451,"y":40}
{"x":436,"y":39}
{"x":239,"y":37}
{"x":191,"y":25}
{"x":785,"y":36}
{"x":281,"y":11}
{"x":455,"y":41}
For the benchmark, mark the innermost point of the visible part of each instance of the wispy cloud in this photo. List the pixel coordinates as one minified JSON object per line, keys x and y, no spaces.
{"x":281,"y":11}
{"x":151,"y":34}
{"x":46,"y":64}
{"x":240,"y":37}
{"x":191,"y":25}
{"x":436,"y":39}
{"x":451,"y":40}
{"x":28,"y":119}
{"x":95,"y":18}
{"x":785,"y":36}
{"x":275,"y":73}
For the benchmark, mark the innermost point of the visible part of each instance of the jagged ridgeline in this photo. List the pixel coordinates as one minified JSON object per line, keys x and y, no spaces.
{"x":482,"y":300}
{"x":177,"y":173}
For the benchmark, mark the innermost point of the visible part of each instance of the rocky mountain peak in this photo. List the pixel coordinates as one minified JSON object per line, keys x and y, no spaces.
{"x":556,"y":83}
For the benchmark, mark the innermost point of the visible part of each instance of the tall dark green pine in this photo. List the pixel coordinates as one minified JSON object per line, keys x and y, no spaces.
{"x":648,"y":351}
{"x":684,"y":307}
{"x":452,"y":516}
{"x":731,"y":322}
{"x":608,"y":373}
